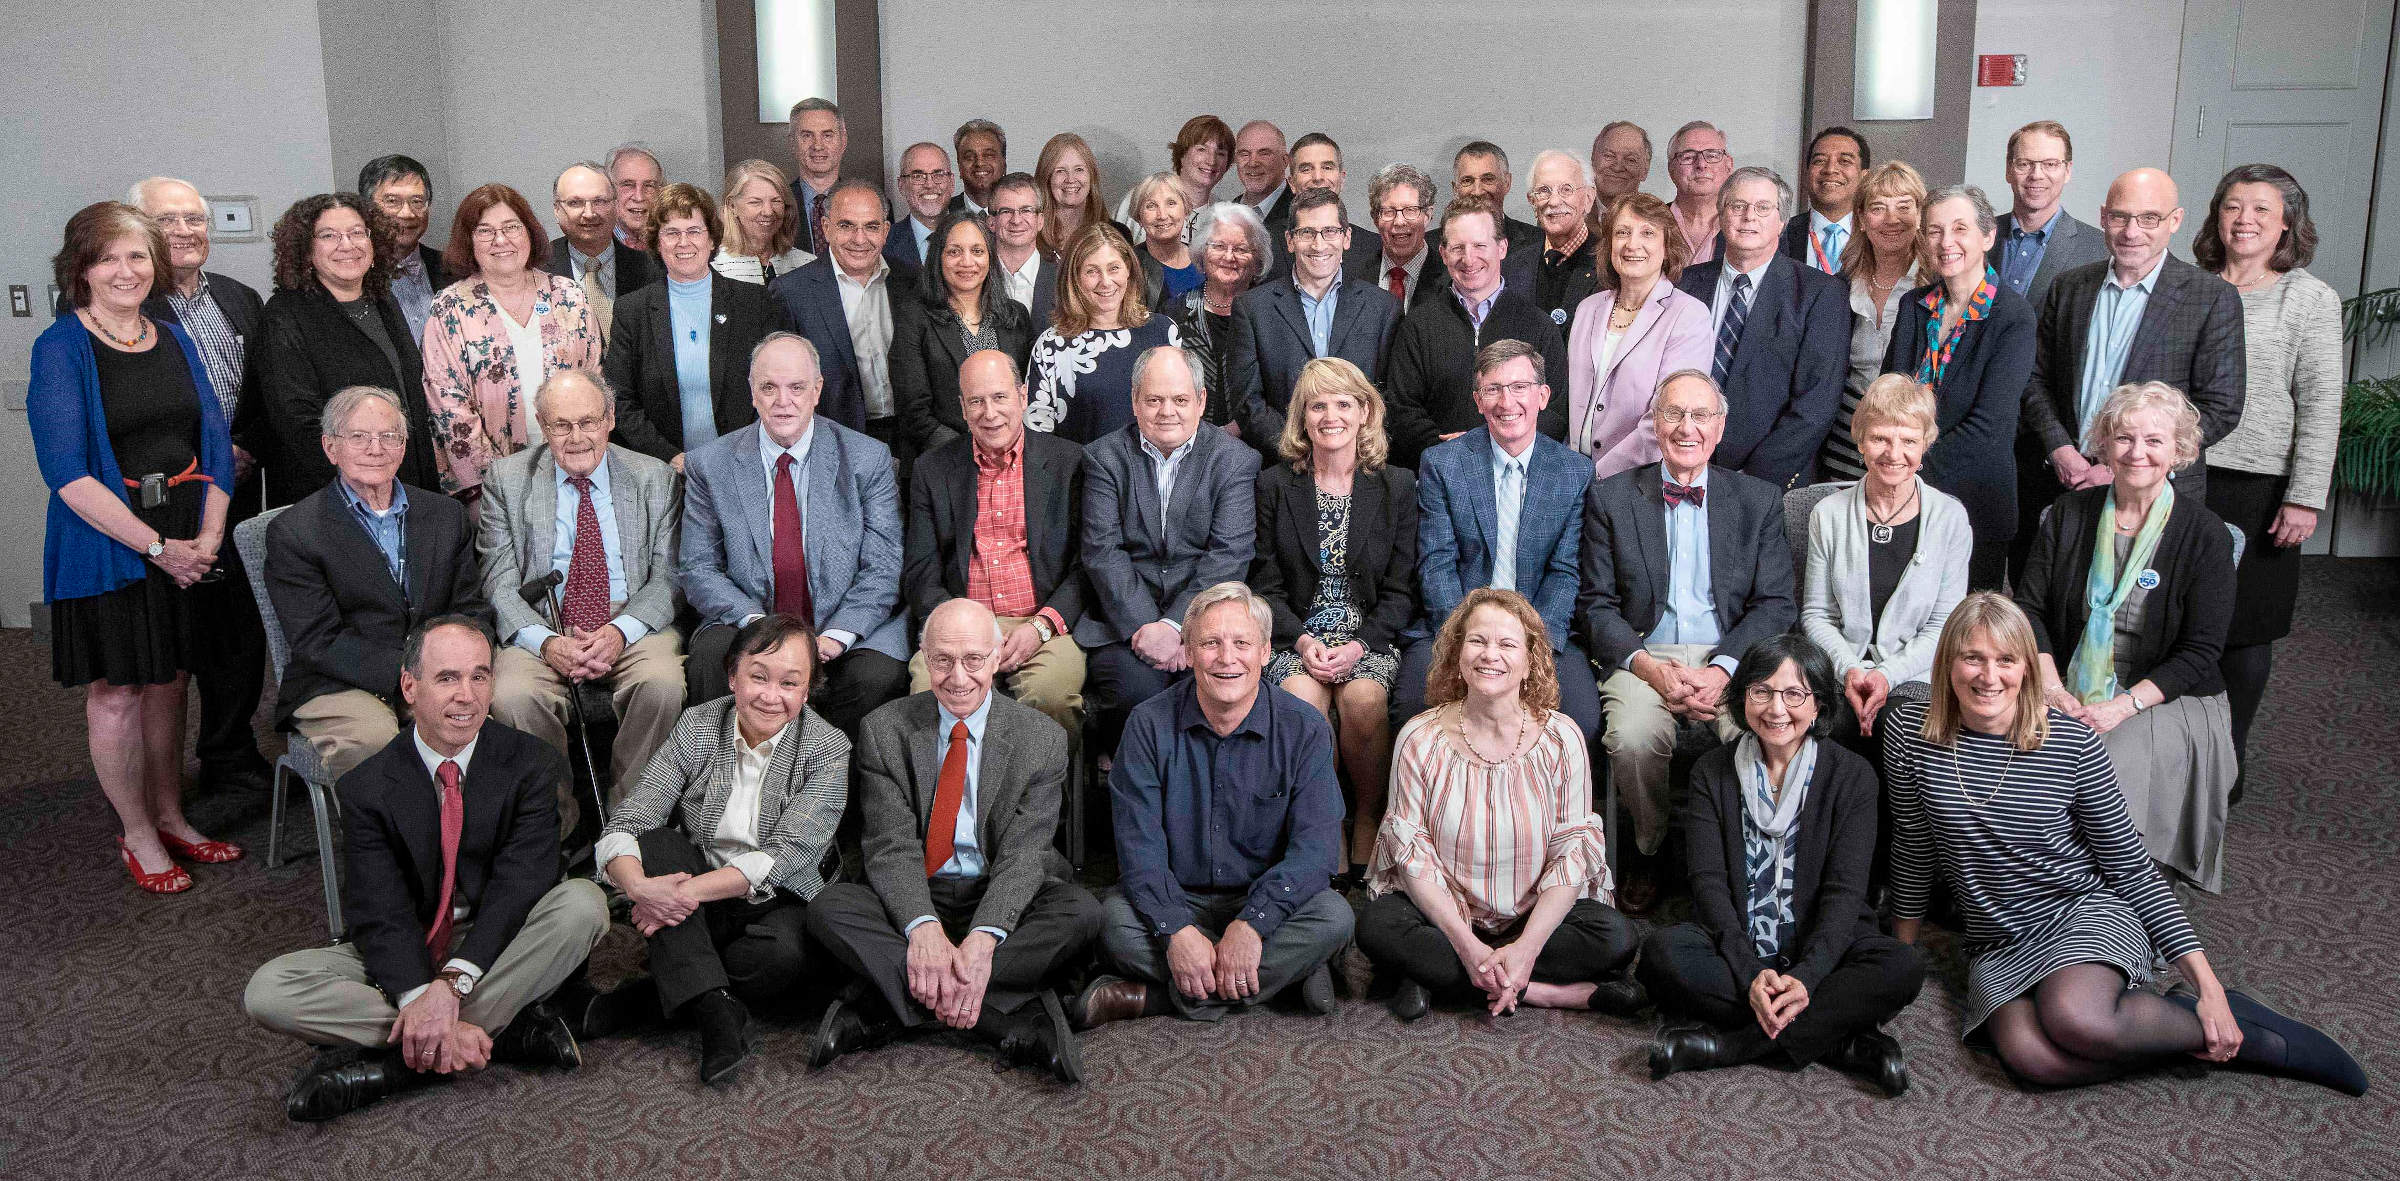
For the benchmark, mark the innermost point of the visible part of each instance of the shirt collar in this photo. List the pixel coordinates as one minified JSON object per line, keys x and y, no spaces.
{"x":199,"y":291}
{"x":433,"y":758}
{"x":975,"y":721}
{"x":2017,"y":229}
{"x":1501,"y":458}
{"x":399,"y":497}
{"x":1818,"y":221}
{"x":607,"y":254}
{"x":410,"y":263}
{"x":2148,"y":283}
{"x":764,"y":750}
{"x":599,"y":476}
{"x":1758,"y":275}
{"x":1164,"y":457}
{"x":1273,"y":195}
{"x":767,"y":450}
{"x":1482,"y":307}
{"x":1331,"y":290}
{"x":1190,"y":717}
{"x":883,"y":267}
{"x":630,"y":243}
{"x":1665,"y":476}
{"x":1006,"y":461}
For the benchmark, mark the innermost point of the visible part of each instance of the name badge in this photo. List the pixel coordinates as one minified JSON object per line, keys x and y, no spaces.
{"x":541,"y":307}
{"x":2148,"y":580}
{"x":1558,"y":315}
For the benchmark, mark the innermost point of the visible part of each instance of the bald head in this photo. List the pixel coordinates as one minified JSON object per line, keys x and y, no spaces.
{"x":961,"y":647}
{"x":2139,"y":218}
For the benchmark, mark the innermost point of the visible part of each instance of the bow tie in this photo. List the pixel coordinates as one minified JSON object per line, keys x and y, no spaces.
{"x":1678,"y":493}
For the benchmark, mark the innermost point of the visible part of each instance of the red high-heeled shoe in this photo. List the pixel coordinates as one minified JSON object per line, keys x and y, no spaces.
{"x":172,"y":881}
{"x":204,"y":852}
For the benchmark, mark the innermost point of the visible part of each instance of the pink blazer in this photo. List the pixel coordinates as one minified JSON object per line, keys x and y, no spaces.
{"x":1669,"y":333}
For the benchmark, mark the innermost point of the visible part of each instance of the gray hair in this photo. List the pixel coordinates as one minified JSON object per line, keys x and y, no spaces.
{"x":541,"y":395}
{"x":1759,"y":172}
{"x":1985,"y":219}
{"x":828,"y":106}
{"x":139,"y":193}
{"x":1191,"y":361}
{"x":1583,"y":170}
{"x":1637,"y":130}
{"x":595,"y":166}
{"x":1675,"y":141}
{"x":806,"y":345}
{"x":1724,"y":404}
{"x":925,"y":633}
{"x":1148,"y":185}
{"x":2129,"y":399}
{"x":1230,"y":592}
{"x":1392,"y":176}
{"x":341,"y":407}
{"x":621,"y":151}
{"x":1213,"y":218}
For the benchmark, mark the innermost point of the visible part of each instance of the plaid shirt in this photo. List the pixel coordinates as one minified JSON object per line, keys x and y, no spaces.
{"x":220,"y":346}
{"x":1000,"y":577}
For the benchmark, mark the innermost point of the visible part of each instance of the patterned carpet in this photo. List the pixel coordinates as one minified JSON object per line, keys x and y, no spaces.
{"x":123,"y":1052}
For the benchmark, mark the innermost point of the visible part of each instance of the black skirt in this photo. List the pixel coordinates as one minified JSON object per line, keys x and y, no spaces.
{"x":147,"y":632}
{"x":2267,"y":583}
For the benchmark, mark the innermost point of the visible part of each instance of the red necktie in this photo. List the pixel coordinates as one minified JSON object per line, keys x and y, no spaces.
{"x":941,"y":831}
{"x":585,"y":607}
{"x":1396,"y":282}
{"x":791,"y":558}
{"x":454,"y":818}
{"x":1677,"y":493}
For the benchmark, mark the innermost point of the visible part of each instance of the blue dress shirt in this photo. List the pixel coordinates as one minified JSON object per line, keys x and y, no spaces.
{"x":562,"y":554}
{"x":2022,"y":250}
{"x":1508,"y":507}
{"x":2116,"y":316}
{"x":387,"y":529}
{"x":1478,"y":309}
{"x":688,"y":306}
{"x":966,"y":855}
{"x":1319,"y":314}
{"x":1689,"y":615}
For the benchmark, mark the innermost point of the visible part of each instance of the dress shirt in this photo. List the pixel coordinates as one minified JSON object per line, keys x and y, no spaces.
{"x":1318,"y":311}
{"x":1001,"y":575}
{"x":562,"y":555}
{"x":605,"y":262}
{"x":966,"y":856}
{"x":688,"y":308}
{"x":924,"y":236}
{"x":1689,"y":614}
{"x":1508,"y":504}
{"x":1723,"y":299}
{"x":1165,"y":467}
{"x":220,"y":346}
{"x":1821,"y":256}
{"x":867,"y":305}
{"x":2022,"y":250}
{"x":1019,"y":282}
{"x":459,"y":910}
{"x":412,"y":288}
{"x":387,"y":529}
{"x":1703,"y":249}
{"x":629,"y":241}
{"x":1264,"y":204}
{"x":807,"y":201}
{"x":1414,"y":267}
{"x":2116,"y":316}
{"x":1477,"y":309}
{"x":1251,"y":810}
{"x":768,"y":453}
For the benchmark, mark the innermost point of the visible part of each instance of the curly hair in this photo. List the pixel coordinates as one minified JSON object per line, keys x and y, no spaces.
{"x":295,"y":240}
{"x":1445,"y":684}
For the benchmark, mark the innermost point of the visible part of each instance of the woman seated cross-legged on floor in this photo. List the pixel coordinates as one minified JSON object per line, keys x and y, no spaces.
{"x":1784,"y":962}
{"x":1490,"y":879}
{"x":2017,"y":807}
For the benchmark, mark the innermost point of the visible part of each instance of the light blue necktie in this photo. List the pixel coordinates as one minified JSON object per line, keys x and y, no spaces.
{"x":1509,"y":493}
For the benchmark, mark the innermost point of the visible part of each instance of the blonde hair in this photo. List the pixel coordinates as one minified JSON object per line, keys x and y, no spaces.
{"x":1326,"y":376}
{"x":1993,"y":616}
{"x":1892,"y":178}
{"x":1072,"y":316}
{"x":737,"y":239}
{"x":1445,"y":684}
{"x":1152,"y":183}
{"x":1230,"y":592}
{"x":1900,"y":399}
{"x":2126,"y":400}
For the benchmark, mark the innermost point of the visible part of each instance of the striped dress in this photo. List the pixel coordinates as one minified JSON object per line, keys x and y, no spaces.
{"x":2048,"y":870}
{"x":1497,"y":836}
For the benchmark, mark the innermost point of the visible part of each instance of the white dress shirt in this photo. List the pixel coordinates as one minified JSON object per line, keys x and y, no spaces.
{"x":736,"y":841}
{"x":867,"y":306}
{"x":433,"y":760}
{"x":562,"y":555}
{"x":1723,"y":299}
{"x":1019,"y":282}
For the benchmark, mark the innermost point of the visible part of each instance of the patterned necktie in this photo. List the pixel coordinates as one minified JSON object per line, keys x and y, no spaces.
{"x":1677,"y":494}
{"x":1729,"y":334}
{"x":585,"y":605}
{"x":816,"y":226}
{"x":1396,"y":282}
{"x":949,"y":790}
{"x":595,"y":293}
{"x":791,"y":558}
{"x":454,"y":819}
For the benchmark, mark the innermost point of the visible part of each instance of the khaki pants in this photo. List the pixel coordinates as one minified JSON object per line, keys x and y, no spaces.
{"x":646,"y":690}
{"x":324,"y":997}
{"x":1639,"y":735}
{"x":345,"y":727}
{"x":1050,"y":680}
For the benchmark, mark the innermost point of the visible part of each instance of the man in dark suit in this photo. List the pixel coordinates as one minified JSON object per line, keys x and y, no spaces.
{"x":352,"y":569}
{"x":925,"y":183}
{"x":982,"y":151}
{"x":1168,"y":511}
{"x":997,"y":517}
{"x":1316,"y":163}
{"x":1684,"y":567}
{"x":1837,"y":157}
{"x":1782,"y":332}
{"x":1312,"y":311}
{"x":820,"y":138}
{"x":585,"y":202}
{"x":1480,"y":169}
{"x":221,"y":315}
{"x":2038,"y":239}
{"x":1430,"y":384}
{"x":968,"y":915}
{"x":1263,"y":167}
{"x":843,"y":298}
{"x":1409,"y":265}
{"x":1559,"y":272}
{"x":2144,"y":315}
{"x":402,"y":191}
{"x":1028,"y":275}
{"x":452,"y":838}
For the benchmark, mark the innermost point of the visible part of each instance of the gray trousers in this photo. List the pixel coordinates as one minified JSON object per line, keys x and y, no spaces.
{"x":1315,"y":933}
{"x":324,"y":997}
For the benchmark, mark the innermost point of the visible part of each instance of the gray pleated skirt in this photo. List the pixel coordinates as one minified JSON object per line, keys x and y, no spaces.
{"x":2176,"y":767}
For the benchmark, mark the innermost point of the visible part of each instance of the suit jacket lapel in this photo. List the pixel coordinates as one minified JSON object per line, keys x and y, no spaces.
{"x":541,"y":516}
{"x":417,"y":816}
{"x":1652,"y":311}
{"x":1347,"y":308}
{"x":1722,"y":558}
{"x":1530,"y":559}
{"x":960,"y":484}
{"x":2148,"y":336}
{"x":1145,"y":487}
{"x":420,"y":548}
{"x":924,"y":759}
{"x":633,"y":523}
{"x":758,"y":507}
{"x":1483,"y":493}
{"x":1650,"y":525}
{"x":1286,"y":298}
{"x":1775,"y":290}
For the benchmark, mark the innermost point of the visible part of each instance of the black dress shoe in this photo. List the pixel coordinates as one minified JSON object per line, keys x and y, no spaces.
{"x":247,"y":777}
{"x":1876,"y":1057}
{"x":1686,"y":1045}
{"x":596,"y":1014}
{"x":1410,"y":1000}
{"x":845,"y":1028}
{"x":724,"y":1034}
{"x":2304,"y":1052}
{"x":538,"y":1037}
{"x":1113,"y":998}
{"x":1620,"y":996}
{"x":1039,"y":1037}
{"x":342,"y":1079}
{"x":1316,"y":991}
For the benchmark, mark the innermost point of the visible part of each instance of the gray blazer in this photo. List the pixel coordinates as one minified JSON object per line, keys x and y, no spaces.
{"x":1836,"y":604}
{"x":1018,"y":785}
{"x":519,"y":523}
{"x":851,"y":531}
{"x":800,"y":798}
{"x":2072,"y":244}
{"x":1145,"y":563}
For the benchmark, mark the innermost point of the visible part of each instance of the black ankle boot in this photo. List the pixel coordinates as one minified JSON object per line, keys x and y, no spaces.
{"x":724,"y":1034}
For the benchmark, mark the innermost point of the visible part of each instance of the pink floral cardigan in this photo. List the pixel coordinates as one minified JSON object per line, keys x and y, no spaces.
{"x":471,"y":371}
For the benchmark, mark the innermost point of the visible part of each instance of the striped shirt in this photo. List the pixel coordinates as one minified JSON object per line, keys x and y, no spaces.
{"x":1496,"y":836}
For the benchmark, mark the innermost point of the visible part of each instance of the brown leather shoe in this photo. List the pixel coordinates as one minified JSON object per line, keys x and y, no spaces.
{"x":1109,"y":998}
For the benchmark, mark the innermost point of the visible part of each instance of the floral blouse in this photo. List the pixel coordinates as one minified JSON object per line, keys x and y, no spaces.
{"x":471,"y":386}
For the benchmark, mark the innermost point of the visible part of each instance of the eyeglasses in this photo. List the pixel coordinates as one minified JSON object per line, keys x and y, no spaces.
{"x":1016,"y":210}
{"x":973,"y":662}
{"x":392,"y":204}
{"x":1400,"y":213}
{"x":388,"y":440}
{"x":1232,"y":249}
{"x":1763,"y":695}
{"x":1701,"y":156}
{"x":562,"y":428}
{"x":2050,"y":167}
{"x":587,"y":204}
{"x":1311,"y":235}
{"x":1514,"y":389}
{"x":186,"y":221}
{"x":1674,"y":416}
{"x":2116,"y":219}
{"x":343,"y":237}
{"x":1760,"y":209}
{"x":1546,"y":192}
{"x":683,"y":234}
{"x":924,"y":176}
{"x":490,"y":234}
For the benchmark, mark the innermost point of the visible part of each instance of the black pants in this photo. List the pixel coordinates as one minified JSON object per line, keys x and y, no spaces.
{"x":844,"y":691}
{"x":1116,"y":680}
{"x":1987,"y":563}
{"x":1052,"y":936}
{"x":1687,"y":976}
{"x":1592,"y":943}
{"x":229,"y":696}
{"x":754,"y":950}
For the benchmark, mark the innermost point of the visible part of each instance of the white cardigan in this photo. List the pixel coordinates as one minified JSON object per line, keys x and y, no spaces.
{"x":1836,"y":601}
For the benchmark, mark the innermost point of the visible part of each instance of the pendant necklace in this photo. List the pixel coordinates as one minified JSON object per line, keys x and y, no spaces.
{"x":1881,"y":531}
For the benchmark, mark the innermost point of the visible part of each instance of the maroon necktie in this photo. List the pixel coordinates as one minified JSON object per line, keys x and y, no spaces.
{"x":791,"y":558}
{"x":941,"y":832}
{"x":585,"y":607}
{"x":1677,"y":493}
{"x":1396,"y":282}
{"x":454,"y":818}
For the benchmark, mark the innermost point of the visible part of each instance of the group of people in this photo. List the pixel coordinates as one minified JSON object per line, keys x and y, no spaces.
{"x":877,"y":524}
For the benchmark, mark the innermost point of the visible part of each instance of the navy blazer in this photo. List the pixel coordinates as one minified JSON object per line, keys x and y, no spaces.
{"x":1382,"y":553}
{"x":1976,"y":403}
{"x":1785,"y":381}
{"x":1143,"y":561}
{"x":1458,"y":524}
{"x":900,"y":249}
{"x":1270,"y":345}
{"x":1625,"y":563}
{"x":636,"y":269}
{"x":812,"y":302}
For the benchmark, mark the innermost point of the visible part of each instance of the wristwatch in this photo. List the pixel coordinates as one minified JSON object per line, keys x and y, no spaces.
{"x":1041,"y":627}
{"x":157,"y":547}
{"x":460,"y":982}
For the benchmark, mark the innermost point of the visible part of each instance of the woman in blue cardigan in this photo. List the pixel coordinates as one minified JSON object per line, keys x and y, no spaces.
{"x":134,"y":447}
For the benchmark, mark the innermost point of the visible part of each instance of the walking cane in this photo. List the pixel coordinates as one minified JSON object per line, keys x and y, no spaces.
{"x":535,"y":593}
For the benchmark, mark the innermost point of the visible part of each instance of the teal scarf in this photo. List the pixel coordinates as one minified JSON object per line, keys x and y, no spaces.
{"x":2092,"y":676}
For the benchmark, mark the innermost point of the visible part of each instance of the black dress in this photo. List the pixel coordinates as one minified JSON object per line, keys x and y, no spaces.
{"x":147,"y":632}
